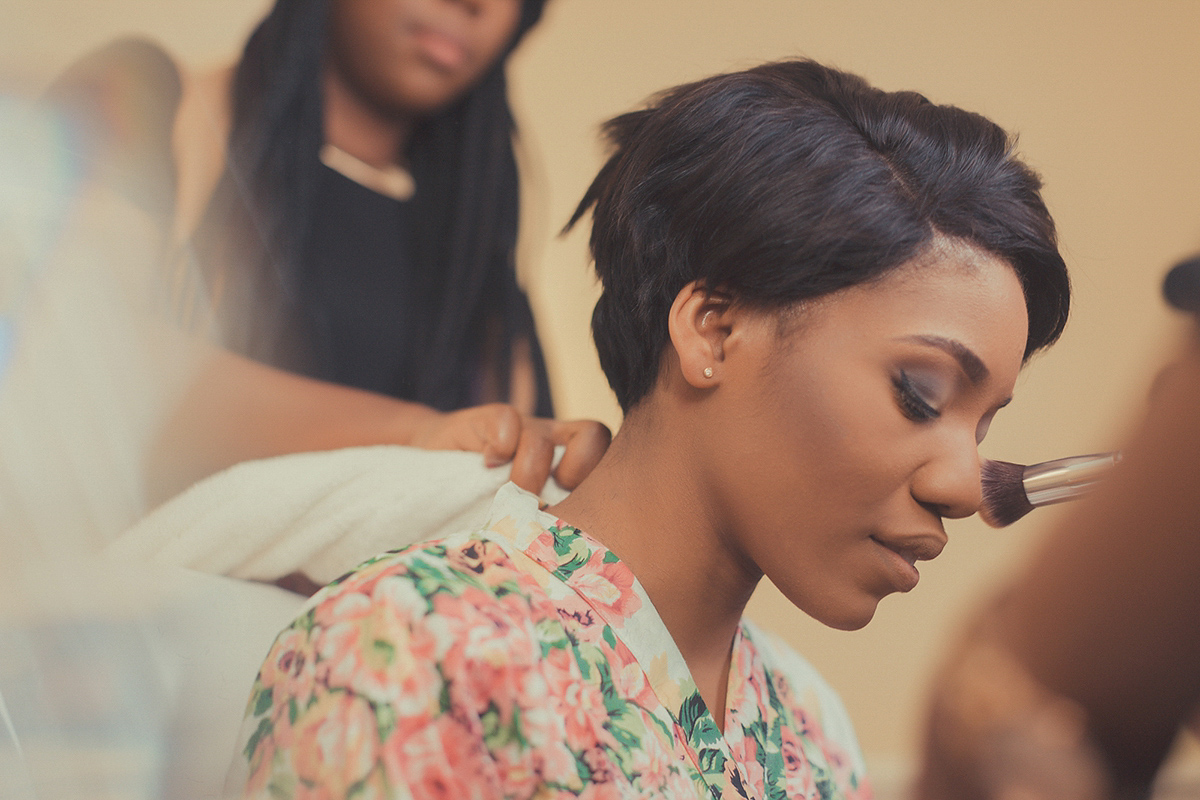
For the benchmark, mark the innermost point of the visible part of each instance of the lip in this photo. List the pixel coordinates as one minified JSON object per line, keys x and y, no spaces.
{"x":440,"y":48}
{"x":902,"y":554}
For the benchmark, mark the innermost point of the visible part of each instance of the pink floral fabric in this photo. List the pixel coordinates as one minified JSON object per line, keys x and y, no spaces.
{"x":525,"y":660}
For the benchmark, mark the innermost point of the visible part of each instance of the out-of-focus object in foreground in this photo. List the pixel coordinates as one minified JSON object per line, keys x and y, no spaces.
{"x":1078,"y":680}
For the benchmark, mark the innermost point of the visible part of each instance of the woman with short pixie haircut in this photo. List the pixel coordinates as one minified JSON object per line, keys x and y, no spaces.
{"x":816,"y":296}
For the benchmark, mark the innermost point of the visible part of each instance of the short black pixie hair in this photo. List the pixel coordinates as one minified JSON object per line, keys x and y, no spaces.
{"x":792,"y":180}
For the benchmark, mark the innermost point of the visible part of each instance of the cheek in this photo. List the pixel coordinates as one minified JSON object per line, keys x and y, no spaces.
{"x":806,"y":463}
{"x":812,"y":473}
{"x":501,"y":26}
{"x":834,"y":466}
{"x":845,"y":433}
{"x":358,"y":26}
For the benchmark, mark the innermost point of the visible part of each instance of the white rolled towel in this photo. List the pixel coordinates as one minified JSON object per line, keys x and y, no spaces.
{"x":317,"y":513}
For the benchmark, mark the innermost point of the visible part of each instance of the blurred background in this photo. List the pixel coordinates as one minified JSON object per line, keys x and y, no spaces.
{"x":1103,"y":95}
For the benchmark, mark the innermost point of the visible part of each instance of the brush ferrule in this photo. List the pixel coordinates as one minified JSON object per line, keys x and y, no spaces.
{"x":1066,"y":478}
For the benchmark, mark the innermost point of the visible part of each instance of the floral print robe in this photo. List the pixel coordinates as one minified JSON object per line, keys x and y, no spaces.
{"x":525,"y":660}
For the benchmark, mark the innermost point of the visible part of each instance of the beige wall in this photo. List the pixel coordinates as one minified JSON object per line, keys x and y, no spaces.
{"x":1105,"y":96}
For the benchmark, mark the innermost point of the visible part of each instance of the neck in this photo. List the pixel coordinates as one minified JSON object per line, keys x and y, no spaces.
{"x":646,"y":501}
{"x":355,"y":125}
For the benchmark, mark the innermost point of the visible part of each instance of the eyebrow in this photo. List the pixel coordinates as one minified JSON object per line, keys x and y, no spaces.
{"x":977,"y":372}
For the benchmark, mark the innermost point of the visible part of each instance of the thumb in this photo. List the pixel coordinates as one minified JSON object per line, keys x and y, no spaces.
{"x":500,"y":430}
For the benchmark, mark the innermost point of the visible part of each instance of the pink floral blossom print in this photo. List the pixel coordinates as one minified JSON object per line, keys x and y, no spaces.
{"x":474,"y":668}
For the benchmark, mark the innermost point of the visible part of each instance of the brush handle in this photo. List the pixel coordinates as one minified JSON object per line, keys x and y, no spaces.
{"x":1066,"y":478}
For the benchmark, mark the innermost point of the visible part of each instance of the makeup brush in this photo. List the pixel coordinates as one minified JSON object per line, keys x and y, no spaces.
{"x":1010,"y":491}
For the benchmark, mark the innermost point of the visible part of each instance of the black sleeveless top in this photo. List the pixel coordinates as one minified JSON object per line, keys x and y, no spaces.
{"x":355,"y":309}
{"x":361,"y":303}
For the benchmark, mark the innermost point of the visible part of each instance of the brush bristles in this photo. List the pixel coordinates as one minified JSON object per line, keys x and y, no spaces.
{"x":1004,"y":499}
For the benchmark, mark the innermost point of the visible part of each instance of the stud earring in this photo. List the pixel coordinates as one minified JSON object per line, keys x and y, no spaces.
{"x":708,"y":372}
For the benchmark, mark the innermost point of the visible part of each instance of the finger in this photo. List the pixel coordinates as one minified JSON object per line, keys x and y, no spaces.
{"x":499,"y":427}
{"x":586,"y":441}
{"x":531,"y":464}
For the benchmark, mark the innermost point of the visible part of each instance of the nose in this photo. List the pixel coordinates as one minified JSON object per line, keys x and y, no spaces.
{"x":949,"y":483}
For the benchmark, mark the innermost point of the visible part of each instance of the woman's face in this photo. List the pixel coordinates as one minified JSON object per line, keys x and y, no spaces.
{"x":845,"y":439}
{"x":415,"y":57}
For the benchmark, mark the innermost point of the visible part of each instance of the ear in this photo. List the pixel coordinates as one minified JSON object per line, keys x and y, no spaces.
{"x":699,"y":323}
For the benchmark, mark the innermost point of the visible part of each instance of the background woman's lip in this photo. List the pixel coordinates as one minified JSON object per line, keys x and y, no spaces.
{"x":444,"y":50}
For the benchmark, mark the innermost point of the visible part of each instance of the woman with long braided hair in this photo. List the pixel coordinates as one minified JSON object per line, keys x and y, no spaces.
{"x":343,"y":202}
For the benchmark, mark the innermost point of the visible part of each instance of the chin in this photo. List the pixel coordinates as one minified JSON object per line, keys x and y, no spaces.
{"x":421,"y":95}
{"x":849,"y":623}
{"x":843,"y":616}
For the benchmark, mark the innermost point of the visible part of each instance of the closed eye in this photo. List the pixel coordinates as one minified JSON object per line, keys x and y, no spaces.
{"x":912,"y":404}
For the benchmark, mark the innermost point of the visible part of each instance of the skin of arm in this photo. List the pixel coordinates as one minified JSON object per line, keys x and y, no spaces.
{"x":238,"y":409}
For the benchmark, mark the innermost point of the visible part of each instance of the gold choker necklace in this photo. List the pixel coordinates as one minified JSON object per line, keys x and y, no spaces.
{"x":392,"y":181}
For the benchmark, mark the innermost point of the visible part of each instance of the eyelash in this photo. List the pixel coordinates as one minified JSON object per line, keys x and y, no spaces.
{"x":911,"y":403}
